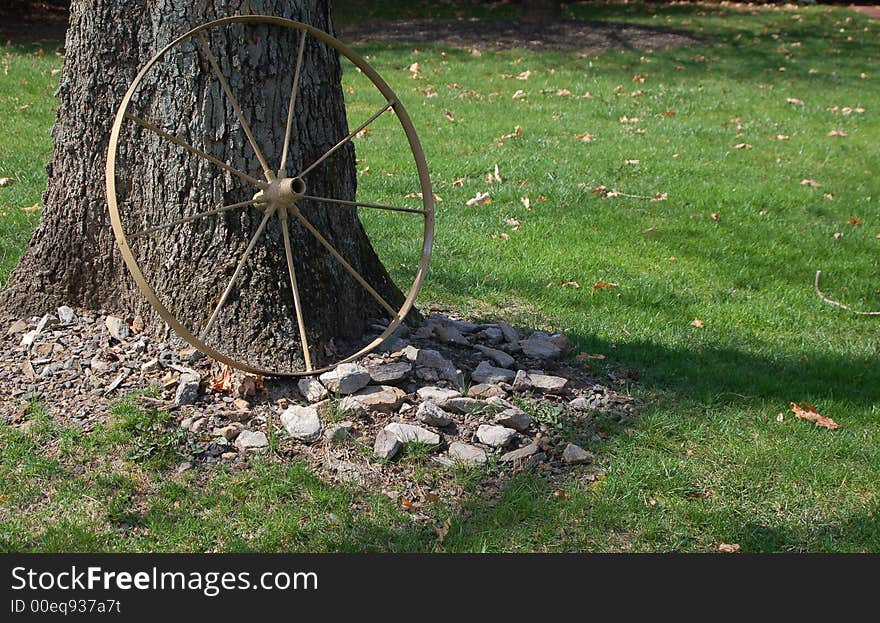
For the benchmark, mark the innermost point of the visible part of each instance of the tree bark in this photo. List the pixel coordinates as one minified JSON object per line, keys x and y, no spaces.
{"x":542,"y":11}
{"x":72,"y":258}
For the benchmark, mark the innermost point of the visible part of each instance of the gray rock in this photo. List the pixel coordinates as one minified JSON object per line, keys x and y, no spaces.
{"x":437,"y":395}
{"x":187,"y":391}
{"x":465,"y":326}
{"x":382,"y":398}
{"x":302,"y":423}
{"x":561,"y":341}
{"x":66,"y":314}
{"x":347,"y":378}
{"x":117,"y":328}
{"x":498,"y":356}
{"x":431,"y":414}
{"x":427,"y":358}
{"x":389,"y":372}
{"x":520,"y":453}
{"x":548,"y":384}
{"x":540,"y":347}
{"x":487,"y":373}
{"x":467,"y":454}
{"x":311,"y":389}
{"x":387,"y":445}
{"x":339,"y":432}
{"x":463,"y":405}
{"x":251,"y":440}
{"x":448,"y":334}
{"x":514,"y":418}
{"x":495,"y":436}
{"x":149,"y":366}
{"x":493,"y":335}
{"x":581,"y":404}
{"x":522,"y":382}
{"x":575,"y":455}
{"x":510,"y":334}
{"x":407,"y":433}
{"x":498,"y":404}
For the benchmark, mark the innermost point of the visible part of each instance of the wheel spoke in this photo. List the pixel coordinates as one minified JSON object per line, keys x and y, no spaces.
{"x":198,"y":152}
{"x":363,"y":204}
{"x":269,"y":212}
{"x":293,"y":90}
{"x":188,"y":219}
{"x":357,"y":276}
{"x":296,"y":300}
{"x":244,"y":125}
{"x":349,"y":137}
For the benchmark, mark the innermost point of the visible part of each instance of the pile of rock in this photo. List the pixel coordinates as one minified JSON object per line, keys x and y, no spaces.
{"x":463,"y":392}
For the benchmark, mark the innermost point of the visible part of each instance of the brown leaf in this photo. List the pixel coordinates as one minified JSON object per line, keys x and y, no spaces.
{"x":449,"y":115}
{"x":519,"y":94}
{"x":828,"y":196}
{"x":414,"y":70}
{"x":625,"y":119}
{"x":480,"y":199}
{"x":563,"y":92}
{"x":571,"y":284}
{"x":442,"y":531}
{"x":527,"y":203}
{"x":632,"y":161}
{"x":6,"y":181}
{"x":524,"y":75}
{"x":586,"y":137}
{"x":715,"y":217}
{"x":601,"y":285}
{"x":839,"y":133}
{"x":513,"y":224}
{"x":794,"y":101}
{"x":638,"y":78}
{"x":728,"y":548}
{"x":811,"y":183}
{"x":855,"y":221}
{"x":743,"y":146}
{"x":517,"y":132}
{"x":668,"y":113}
{"x":781,"y":137}
{"x":406,"y":504}
{"x":697,"y":323}
{"x":32,"y":208}
{"x":808,"y":412}
{"x":458,"y":182}
{"x":660,"y":197}
{"x":223,"y":383}
{"x":838,"y":235}
{"x":501,"y":236}
{"x":560,"y":494}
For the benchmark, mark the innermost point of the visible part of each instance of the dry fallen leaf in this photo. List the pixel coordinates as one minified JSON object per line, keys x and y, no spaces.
{"x":501,"y":236}
{"x":527,"y":204}
{"x":571,"y":284}
{"x":458,"y":182}
{"x":794,"y":101}
{"x":811,"y":183}
{"x":715,"y":217}
{"x":638,"y":78}
{"x":828,"y":196}
{"x":808,"y":412}
{"x":6,"y":181}
{"x":517,"y":132}
{"x":781,"y":137}
{"x":742,"y":146}
{"x":839,"y":133}
{"x":480,"y":199}
{"x":668,"y":113}
{"x":414,"y":70}
{"x":513,"y":224}
{"x":838,"y":235}
{"x":728,"y":548}
{"x":32,"y":208}
{"x":586,"y":137}
{"x":449,"y":115}
{"x":855,"y":221}
{"x":563,"y":92}
{"x":436,"y":197}
{"x":524,"y":75}
{"x":632,"y":161}
{"x":625,"y":119}
{"x":601,"y":285}
{"x":560,"y":494}
{"x":224,"y":382}
{"x":660,"y":197}
{"x":650,"y":230}
{"x":585,"y":356}
{"x":697,"y":323}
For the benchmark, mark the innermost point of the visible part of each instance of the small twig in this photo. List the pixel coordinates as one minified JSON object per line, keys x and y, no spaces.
{"x":840,"y":305}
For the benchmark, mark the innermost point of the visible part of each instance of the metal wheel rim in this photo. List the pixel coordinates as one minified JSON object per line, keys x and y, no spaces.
{"x":394,"y":104}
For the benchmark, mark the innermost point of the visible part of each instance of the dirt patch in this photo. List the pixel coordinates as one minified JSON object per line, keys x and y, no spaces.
{"x":570,"y":35}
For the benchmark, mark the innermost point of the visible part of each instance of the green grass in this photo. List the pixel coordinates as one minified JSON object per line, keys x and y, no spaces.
{"x":708,"y":461}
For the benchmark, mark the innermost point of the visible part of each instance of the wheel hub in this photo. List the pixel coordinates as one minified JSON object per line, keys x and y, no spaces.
{"x":282,"y":192}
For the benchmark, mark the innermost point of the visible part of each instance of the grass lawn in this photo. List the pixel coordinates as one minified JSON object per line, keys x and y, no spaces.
{"x":725,"y":131}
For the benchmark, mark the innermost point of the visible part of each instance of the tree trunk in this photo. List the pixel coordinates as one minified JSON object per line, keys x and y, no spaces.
{"x":72,"y":257}
{"x":542,"y":11}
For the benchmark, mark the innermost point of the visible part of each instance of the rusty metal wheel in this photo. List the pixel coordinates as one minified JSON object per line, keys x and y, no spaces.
{"x":278,"y":194}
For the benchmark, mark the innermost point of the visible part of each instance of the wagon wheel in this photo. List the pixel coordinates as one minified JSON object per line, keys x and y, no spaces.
{"x":277,"y":195}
